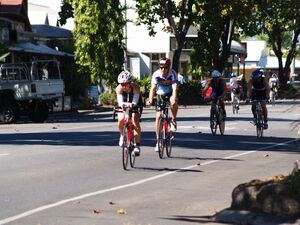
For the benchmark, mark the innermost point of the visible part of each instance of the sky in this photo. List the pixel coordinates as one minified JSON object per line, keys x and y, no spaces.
{"x":54,"y":4}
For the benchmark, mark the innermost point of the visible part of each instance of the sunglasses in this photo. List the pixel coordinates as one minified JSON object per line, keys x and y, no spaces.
{"x":162,"y":68}
{"x":124,"y":84}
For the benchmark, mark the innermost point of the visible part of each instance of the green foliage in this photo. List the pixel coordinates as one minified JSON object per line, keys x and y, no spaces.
{"x":280,"y":21}
{"x":144,"y":84}
{"x":294,"y":181}
{"x":189,"y":93}
{"x":108,"y":98}
{"x":98,"y":38}
{"x":66,"y":12}
{"x":212,"y":48}
{"x":177,"y":18}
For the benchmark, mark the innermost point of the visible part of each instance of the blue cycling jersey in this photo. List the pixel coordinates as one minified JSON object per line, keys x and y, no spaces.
{"x":164,"y":85}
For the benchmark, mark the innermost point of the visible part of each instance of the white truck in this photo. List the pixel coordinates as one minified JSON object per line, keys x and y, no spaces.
{"x":29,"y":89}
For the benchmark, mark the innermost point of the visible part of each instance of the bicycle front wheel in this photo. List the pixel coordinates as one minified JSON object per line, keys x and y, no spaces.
{"x":125,"y":149}
{"x":213,"y":122}
{"x":169,"y":137}
{"x":260,"y":124}
{"x":131,"y":156}
{"x":161,"y":140}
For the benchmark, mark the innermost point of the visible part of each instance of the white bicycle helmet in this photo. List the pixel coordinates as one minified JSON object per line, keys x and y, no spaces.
{"x":124,"y":77}
{"x":215,"y":74}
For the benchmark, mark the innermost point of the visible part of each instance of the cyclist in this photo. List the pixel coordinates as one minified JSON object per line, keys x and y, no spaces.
{"x":273,"y":83}
{"x":259,"y":90}
{"x":165,"y":83}
{"x":128,"y":95}
{"x":235,"y":91}
{"x":218,"y":85}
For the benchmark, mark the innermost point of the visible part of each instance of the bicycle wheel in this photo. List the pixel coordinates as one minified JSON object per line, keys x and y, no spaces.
{"x":169,"y":137}
{"x":125,"y":149}
{"x":260,"y":123}
{"x":221,"y":122}
{"x":213,"y":121}
{"x":131,"y":156}
{"x":161,"y":140}
{"x":272,"y":98}
{"x":131,"y":153}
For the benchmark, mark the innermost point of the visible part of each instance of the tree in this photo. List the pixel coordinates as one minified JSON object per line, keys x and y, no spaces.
{"x":177,"y":18}
{"x":278,"y":20}
{"x":217,"y":20}
{"x":98,"y":36}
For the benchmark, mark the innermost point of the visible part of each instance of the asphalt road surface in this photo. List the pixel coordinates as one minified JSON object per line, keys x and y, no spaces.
{"x":68,"y":171}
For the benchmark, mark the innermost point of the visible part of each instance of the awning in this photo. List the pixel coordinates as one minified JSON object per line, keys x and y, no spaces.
{"x":237,"y":48}
{"x":38,"y":49}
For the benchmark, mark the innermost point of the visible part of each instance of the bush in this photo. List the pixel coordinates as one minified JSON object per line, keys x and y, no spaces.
{"x":294,"y":181}
{"x":189,"y":93}
{"x":108,"y":98}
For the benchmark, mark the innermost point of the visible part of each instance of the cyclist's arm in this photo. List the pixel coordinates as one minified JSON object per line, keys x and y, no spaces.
{"x":174,"y":91}
{"x":249,"y":88}
{"x":267,"y":86}
{"x":224,"y":88}
{"x":136,"y":94}
{"x":152,"y":92}
{"x":119,"y":96}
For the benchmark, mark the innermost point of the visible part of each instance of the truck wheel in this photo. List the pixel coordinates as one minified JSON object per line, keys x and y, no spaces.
{"x":39,"y":112}
{"x":9,"y":112}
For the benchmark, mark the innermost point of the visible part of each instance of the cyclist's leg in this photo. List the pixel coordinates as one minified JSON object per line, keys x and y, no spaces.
{"x":174,"y":110}
{"x":158,"y":128}
{"x":222,"y":104}
{"x":121,"y":121}
{"x":232,"y":97}
{"x":137,"y":127}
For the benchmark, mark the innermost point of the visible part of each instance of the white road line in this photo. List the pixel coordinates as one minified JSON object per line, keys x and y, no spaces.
{"x":4,"y":154}
{"x":49,"y":206}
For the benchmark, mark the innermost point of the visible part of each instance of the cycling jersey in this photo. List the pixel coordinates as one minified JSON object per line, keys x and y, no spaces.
{"x":259,"y":89}
{"x":164,"y":85}
{"x":217,"y":87}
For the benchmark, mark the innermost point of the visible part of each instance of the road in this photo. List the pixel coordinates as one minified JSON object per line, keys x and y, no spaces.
{"x":69,"y":171}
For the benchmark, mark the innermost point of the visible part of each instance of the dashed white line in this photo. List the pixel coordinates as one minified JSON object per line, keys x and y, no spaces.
{"x":4,"y":154}
{"x":45,"y":207}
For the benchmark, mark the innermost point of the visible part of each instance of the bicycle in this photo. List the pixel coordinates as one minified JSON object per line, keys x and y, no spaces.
{"x":273,"y":95}
{"x":128,"y":138}
{"x":165,"y":136}
{"x":235,"y":104}
{"x":216,"y":117}
{"x":259,"y":122}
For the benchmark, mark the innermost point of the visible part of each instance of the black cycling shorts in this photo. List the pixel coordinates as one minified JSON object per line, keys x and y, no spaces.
{"x":162,"y":100}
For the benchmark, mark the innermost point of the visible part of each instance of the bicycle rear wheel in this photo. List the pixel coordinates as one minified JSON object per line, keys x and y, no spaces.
{"x":161,"y":141}
{"x":213,"y":122}
{"x":125,"y":149}
{"x":221,"y":122}
{"x":169,"y":137}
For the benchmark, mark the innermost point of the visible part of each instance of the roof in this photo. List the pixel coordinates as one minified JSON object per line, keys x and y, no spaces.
{"x":272,"y":62}
{"x":38,"y":49}
{"x":11,"y":6}
{"x":51,"y":31}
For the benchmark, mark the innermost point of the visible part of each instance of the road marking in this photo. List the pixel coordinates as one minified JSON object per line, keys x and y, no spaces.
{"x":4,"y":154}
{"x":49,"y":206}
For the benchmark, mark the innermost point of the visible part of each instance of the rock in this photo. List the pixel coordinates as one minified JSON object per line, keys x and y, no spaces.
{"x":270,"y":196}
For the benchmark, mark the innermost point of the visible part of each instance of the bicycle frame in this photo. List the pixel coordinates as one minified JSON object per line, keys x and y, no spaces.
{"x":165,"y":135}
{"x":259,"y":119}
{"x":216,"y":117}
{"x":128,"y":139}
